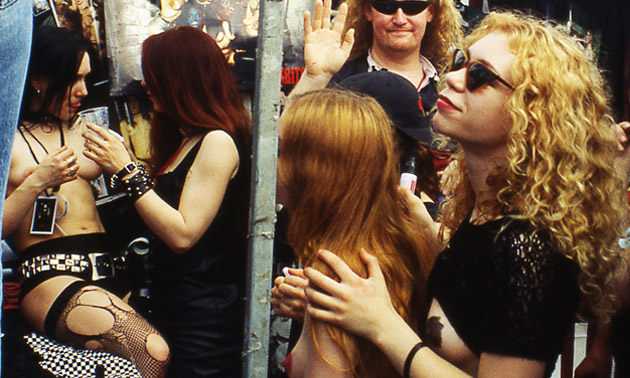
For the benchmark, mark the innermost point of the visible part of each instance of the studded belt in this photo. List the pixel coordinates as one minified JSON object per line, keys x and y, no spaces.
{"x":102,"y":265}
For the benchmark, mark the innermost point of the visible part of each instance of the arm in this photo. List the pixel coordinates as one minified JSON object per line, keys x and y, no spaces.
{"x":363,"y":307}
{"x":597,"y":362}
{"x":55,"y":169}
{"x":206,"y":182}
{"x":326,"y":49}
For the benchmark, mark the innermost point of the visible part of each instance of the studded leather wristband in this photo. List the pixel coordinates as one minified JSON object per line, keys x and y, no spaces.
{"x":116,"y":179}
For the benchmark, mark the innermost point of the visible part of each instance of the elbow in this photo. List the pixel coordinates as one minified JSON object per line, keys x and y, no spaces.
{"x":183,"y":245}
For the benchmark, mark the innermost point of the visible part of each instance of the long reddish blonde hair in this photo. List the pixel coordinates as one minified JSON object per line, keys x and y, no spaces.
{"x":337,"y":159}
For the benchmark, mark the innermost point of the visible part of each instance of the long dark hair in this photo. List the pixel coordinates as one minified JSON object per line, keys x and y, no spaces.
{"x":189,"y":77}
{"x":56,"y":55}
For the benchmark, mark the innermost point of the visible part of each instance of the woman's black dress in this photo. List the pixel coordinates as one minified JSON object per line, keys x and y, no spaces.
{"x":197,"y":297}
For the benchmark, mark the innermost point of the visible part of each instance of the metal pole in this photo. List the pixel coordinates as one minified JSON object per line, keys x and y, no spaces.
{"x":263,"y":199}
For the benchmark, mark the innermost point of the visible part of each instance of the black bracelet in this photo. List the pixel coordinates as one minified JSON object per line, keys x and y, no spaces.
{"x":410,"y":356}
{"x":138,"y":185}
{"x":114,"y":181}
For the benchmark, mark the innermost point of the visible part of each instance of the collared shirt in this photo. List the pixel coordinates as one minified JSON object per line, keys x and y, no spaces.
{"x":430,"y":72}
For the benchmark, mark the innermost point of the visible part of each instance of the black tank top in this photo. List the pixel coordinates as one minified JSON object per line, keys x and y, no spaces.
{"x":219,"y":256}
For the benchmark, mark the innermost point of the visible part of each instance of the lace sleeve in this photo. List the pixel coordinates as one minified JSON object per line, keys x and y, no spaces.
{"x":536,"y":294}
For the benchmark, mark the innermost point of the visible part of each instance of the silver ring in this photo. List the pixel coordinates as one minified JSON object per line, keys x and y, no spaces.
{"x":71,"y":160}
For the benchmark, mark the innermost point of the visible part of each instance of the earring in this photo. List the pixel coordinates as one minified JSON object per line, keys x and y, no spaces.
{"x":38,"y":91}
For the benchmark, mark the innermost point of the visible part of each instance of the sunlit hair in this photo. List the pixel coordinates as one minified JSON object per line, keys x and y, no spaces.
{"x":337,"y":160}
{"x":441,"y":33}
{"x":188,"y":76}
{"x":559,"y":172}
{"x":56,"y":55}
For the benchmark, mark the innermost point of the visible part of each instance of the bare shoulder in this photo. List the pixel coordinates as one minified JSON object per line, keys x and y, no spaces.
{"x":218,"y":139}
{"x":218,"y":150}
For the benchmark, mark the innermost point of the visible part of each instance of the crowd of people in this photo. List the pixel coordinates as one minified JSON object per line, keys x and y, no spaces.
{"x":513,"y":233}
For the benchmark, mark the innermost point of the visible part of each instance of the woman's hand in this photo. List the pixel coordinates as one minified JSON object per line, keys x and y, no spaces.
{"x":287,"y":295}
{"x":360,"y":306}
{"x":55,"y":169}
{"x":105,"y":149}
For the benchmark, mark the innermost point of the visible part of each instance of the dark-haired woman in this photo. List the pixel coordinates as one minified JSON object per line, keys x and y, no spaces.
{"x":51,"y":215}
{"x":198,"y":207}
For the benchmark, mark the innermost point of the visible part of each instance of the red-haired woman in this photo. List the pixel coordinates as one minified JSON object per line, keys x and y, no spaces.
{"x":198,"y":207}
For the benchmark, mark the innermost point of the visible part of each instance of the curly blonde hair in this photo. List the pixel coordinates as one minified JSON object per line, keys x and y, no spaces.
{"x":443,"y":32}
{"x":337,"y":159}
{"x":559,"y":172}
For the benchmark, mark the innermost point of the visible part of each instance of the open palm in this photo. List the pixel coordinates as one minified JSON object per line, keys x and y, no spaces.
{"x":326,"y":48}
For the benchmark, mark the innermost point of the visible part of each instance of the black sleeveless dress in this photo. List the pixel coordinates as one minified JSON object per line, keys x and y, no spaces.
{"x":197,"y":297}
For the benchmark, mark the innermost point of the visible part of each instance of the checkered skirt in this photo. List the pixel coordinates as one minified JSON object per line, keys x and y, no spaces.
{"x":67,"y":362}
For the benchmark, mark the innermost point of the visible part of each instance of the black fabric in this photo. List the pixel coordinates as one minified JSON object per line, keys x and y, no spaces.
{"x":197,"y":296}
{"x":18,"y":360}
{"x":351,"y":68}
{"x":428,"y":94}
{"x":399,"y":98}
{"x":79,"y":244}
{"x":620,"y":344}
{"x":127,"y":337}
{"x":54,"y":313}
{"x":506,"y":290}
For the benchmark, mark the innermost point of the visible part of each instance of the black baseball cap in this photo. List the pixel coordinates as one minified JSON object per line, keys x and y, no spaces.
{"x":400,"y":100}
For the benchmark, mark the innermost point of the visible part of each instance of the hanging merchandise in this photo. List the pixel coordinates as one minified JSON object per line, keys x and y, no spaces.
{"x":232,"y":23}
{"x":128,"y":24}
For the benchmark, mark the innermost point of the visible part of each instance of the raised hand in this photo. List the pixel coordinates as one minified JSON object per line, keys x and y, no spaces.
{"x":326,"y":49}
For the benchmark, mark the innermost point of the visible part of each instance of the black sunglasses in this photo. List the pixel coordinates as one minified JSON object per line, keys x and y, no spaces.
{"x":410,"y":8}
{"x":477,"y":75}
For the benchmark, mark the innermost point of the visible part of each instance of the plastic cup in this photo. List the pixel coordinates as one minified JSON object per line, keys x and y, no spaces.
{"x":98,"y":116}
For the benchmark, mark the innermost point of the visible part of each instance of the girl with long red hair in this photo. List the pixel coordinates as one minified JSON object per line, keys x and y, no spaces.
{"x":197,"y":210}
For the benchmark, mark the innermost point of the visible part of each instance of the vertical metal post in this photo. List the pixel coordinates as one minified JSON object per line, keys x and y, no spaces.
{"x":263,"y":200}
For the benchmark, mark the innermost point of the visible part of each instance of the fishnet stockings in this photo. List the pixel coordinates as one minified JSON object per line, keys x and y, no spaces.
{"x":130,"y":337}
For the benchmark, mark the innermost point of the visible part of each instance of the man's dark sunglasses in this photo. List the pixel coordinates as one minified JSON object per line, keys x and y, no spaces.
{"x":477,"y":74}
{"x":410,"y":8}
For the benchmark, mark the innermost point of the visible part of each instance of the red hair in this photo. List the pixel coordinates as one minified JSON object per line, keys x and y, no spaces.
{"x":189,"y":78}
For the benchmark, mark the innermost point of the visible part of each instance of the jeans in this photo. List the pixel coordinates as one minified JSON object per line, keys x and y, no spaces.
{"x":16,"y":25}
